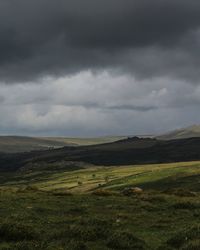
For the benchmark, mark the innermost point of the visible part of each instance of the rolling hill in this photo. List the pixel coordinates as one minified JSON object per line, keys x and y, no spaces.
{"x":189,"y":132}
{"x":15,"y":144}
{"x":124,"y":152}
{"x":73,"y":197}
{"x":88,"y":209}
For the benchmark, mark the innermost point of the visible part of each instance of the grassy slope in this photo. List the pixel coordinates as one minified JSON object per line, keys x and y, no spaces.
{"x":34,"y":219}
{"x":189,"y":132}
{"x":156,"y":176}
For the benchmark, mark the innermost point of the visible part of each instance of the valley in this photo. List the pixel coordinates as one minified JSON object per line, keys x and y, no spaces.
{"x":75,"y":197}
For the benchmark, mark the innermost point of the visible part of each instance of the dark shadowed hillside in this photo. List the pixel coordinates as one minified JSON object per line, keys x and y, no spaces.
{"x":123,"y":152}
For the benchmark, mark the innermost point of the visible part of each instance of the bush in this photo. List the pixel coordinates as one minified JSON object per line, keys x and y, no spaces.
{"x":180,"y":192}
{"x":192,"y":245}
{"x":153,"y":198}
{"x":76,"y":245}
{"x":182,"y":239}
{"x":31,"y":188}
{"x":87,"y":233}
{"x":28,"y":245}
{"x":165,"y":247}
{"x":16,"y":232}
{"x":103,"y":192}
{"x":186,"y":205}
{"x":88,"y":230}
{"x":132,"y":191}
{"x":61,"y":193}
{"x":125,"y":240}
{"x":6,"y":247}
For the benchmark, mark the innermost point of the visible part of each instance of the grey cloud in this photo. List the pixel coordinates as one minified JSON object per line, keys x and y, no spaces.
{"x":48,"y":37}
{"x":88,"y":104}
{"x":2,"y":99}
{"x":132,"y":108}
{"x":85,"y":67}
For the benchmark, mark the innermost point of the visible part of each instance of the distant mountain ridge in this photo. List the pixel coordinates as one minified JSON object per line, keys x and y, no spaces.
{"x":183,"y":133}
{"x":20,"y":144}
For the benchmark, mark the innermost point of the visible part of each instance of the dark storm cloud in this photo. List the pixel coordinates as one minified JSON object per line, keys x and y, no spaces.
{"x":59,"y":37}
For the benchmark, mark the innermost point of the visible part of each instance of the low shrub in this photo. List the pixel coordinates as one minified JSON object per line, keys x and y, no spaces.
{"x":125,"y":240}
{"x":76,"y":245}
{"x":154,"y":198}
{"x":31,"y":188}
{"x":183,"y":238}
{"x":61,"y":193}
{"x":180,"y":192}
{"x":103,"y":192}
{"x":192,"y":245}
{"x":29,"y":245}
{"x":186,"y":205}
{"x":16,"y":232}
{"x":165,"y":247}
{"x":128,"y":191}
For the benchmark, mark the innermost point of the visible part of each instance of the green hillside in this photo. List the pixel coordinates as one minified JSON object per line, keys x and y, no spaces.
{"x":75,"y":198}
{"x":85,"y":209}
{"x":89,"y":178}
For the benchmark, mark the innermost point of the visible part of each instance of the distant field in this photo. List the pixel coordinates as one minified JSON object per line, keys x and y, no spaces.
{"x":86,"y":141}
{"x":15,"y":144}
{"x":62,"y":210}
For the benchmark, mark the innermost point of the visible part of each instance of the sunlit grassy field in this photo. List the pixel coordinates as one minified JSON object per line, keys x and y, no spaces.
{"x":155,"y":176}
{"x":85,"y":208}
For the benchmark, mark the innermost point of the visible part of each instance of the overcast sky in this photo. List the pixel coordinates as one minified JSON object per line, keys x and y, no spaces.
{"x":99,"y":67}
